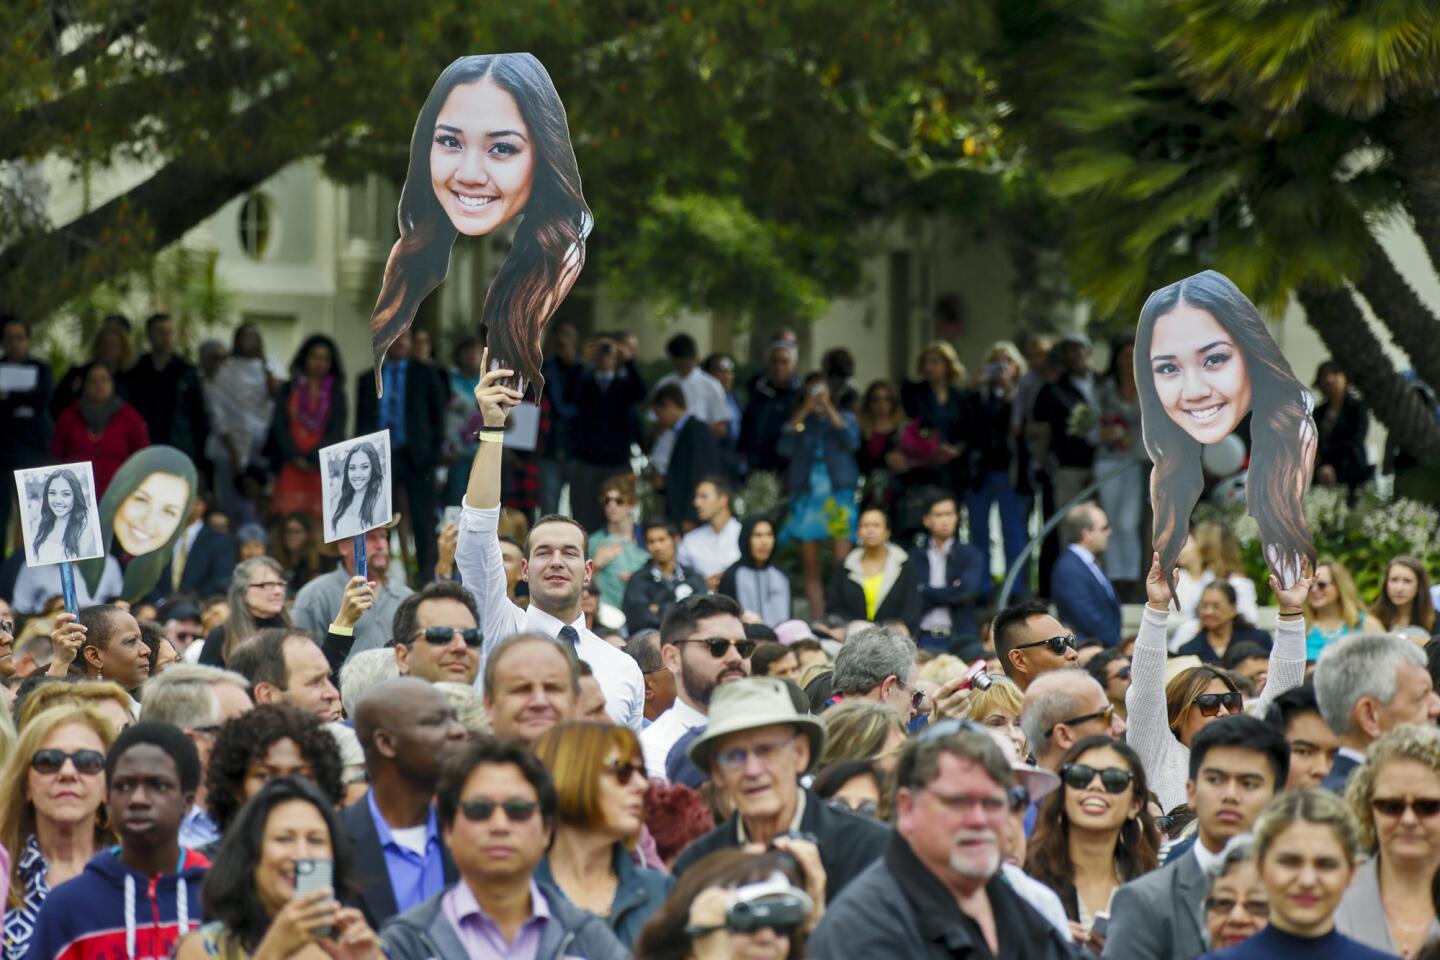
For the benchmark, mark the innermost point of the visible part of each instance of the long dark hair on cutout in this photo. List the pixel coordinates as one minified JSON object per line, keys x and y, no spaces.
{"x":74,"y":524}
{"x":372,"y":487}
{"x":1279,"y":427}
{"x":549,"y":246}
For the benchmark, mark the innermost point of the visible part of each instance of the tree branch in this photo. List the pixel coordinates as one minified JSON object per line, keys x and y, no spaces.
{"x":1409,"y":130}
{"x":1397,"y":305}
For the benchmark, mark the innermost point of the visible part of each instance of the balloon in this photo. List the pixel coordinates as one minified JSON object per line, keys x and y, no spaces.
{"x":1223,"y":458}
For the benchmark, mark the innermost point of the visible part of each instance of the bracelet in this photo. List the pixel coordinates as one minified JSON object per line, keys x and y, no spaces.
{"x":490,"y":437}
{"x":489,"y":429}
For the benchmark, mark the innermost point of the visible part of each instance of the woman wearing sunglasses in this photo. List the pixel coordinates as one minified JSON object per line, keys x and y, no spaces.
{"x":250,"y":892}
{"x":1163,"y":718}
{"x":51,"y":816}
{"x":1395,"y":797}
{"x":1095,"y":833}
{"x":600,"y":785}
{"x":1237,"y":906}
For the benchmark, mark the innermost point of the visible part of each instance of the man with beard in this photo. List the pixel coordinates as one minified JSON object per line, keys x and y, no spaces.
{"x":703,"y":644}
{"x":555,"y":567}
{"x":939,"y":880}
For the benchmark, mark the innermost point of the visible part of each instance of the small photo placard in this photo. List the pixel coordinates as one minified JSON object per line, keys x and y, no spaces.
{"x":59,"y":513}
{"x":355,"y":485}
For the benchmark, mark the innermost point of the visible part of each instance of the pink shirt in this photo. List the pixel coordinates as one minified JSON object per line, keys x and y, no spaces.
{"x":479,"y":934}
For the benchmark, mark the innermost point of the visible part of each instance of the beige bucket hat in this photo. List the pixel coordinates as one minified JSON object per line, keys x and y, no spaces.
{"x":747,"y":705}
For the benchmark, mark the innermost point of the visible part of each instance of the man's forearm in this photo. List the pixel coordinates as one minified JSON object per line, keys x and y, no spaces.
{"x":483,"y":490}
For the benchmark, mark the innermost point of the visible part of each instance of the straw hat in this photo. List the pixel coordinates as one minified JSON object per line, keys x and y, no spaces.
{"x":748,"y":705}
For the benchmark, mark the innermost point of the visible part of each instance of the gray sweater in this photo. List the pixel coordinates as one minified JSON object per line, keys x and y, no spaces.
{"x":318,"y":602}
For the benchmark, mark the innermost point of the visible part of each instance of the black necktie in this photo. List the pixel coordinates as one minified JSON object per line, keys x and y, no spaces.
{"x":568,"y":635}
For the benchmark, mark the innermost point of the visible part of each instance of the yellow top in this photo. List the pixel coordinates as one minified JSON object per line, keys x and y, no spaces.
{"x":872,"y":594}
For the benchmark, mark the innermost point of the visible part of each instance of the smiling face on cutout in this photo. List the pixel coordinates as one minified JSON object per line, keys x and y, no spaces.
{"x":1200,"y":374}
{"x":60,"y":497}
{"x":482,"y":163}
{"x":149,"y":517}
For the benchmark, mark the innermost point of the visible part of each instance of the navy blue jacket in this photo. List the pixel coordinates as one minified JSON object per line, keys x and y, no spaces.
{"x":1084,"y":604}
{"x":208,"y":566}
{"x":967,"y":585}
{"x":1199,"y":645}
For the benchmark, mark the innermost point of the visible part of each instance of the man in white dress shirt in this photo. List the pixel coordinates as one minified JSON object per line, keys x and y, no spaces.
{"x":693,"y":630}
{"x":713,"y":546}
{"x":704,"y":395}
{"x":555,"y":567}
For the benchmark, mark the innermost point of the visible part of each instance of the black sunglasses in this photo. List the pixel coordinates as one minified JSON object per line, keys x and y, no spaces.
{"x":1424,"y":807}
{"x":1122,"y":674}
{"x":443,"y":635}
{"x":1019,"y":799}
{"x":719,"y":646}
{"x":1106,"y":714}
{"x":623,"y":772}
{"x":1057,"y":645}
{"x":1164,"y":822}
{"x":1210,"y":703}
{"x":1078,"y":776}
{"x":516,"y":811}
{"x":88,"y":762}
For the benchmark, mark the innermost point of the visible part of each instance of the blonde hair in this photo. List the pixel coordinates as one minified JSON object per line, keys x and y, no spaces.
{"x":942,"y":669}
{"x":956,"y":374}
{"x":86,"y":693}
{"x":1011,"y":352}
{"x":1406,"y":742}
{"x":1003,"y":694}
{"x":857,"y":730}
{"x":1350,"y":609}
{"x":1219,"y":551}
{"x":17,"y":811}
{"x":1311,"y":805}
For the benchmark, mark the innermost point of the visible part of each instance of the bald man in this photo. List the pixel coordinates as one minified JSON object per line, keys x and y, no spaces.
{"x":404,"y":726}
{"x":1060,"y":709}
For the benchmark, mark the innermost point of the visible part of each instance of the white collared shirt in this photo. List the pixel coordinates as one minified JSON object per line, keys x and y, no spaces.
{"x":660,"y":737}
{"x":709,"y":551}
{"x":477,"y":557}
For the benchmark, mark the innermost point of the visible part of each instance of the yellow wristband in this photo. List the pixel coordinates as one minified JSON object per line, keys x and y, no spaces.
{"x":492,"y":438}
{"x":342,"y":631}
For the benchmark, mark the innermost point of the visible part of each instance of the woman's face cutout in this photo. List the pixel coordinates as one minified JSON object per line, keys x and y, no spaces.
{"x":149,"y":517}
{"x":1199,"y":373}
{"x":358,"y":473}
{"x":60,"y":497}
{"x":482,"y":162}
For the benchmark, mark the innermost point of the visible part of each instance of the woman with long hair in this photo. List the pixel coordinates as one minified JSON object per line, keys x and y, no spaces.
{"x":600,"y":786}
{"x":754,"y":581}
{"x":1222,"y":625}
{"x":1332,"y":608}
{"x":466,"y":176}
{"x":257,"y":600}
{"x":1210,"y":553}
{"x":52,"y":819}
{"x":295,"y":547}
{"x":249,"y":895}
{"x":1094,"y":833}
{"x":362,"y":481}
{"x":64,"y":514}
{"x":1404,"y":602}
{"x":1163,"y":717}
{"x":1203,"y":360}
{"x":880,"y":418}
{"x":310,"y":413}
{"x":1121,"y":448}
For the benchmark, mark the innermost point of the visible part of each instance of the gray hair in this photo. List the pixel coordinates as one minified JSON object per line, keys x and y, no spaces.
{"x":1238,"y":850}
{"x":469,"y":705}
{"x":362,"y":671}
{"x":869,"y":657}
{"x":352,"y":755}
{"x":184,"y":695}
{"x":1359,"y":666}
{"x":644,"y":648}
{"x":1078,"y":521}
{"x":1049,"y":700}
{"x":242,"y":625}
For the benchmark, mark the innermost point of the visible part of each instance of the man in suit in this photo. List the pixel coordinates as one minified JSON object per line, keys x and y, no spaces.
{"x":400,"y":858}
{"x":1080,"y":589}
{"x":203,"y":558}
{"x":605,"y":397}
{"x":413,"y":410}
{"x":953,"y":581}
{"x":1237,"y":764}
{"x":694,"y":453}
{"x":1366,"y":685}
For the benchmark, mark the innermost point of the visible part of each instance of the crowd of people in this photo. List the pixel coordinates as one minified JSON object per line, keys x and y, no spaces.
{"x":606,"y":734}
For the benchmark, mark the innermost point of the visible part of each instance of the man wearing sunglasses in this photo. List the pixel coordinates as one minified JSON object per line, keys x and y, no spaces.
{"x":1061,"y":709}
{"x":1111,"y":669}
{"x":1030,"y":642}
{"x":556,"y":568}
{"x":496,"y":805}
{"x":1237,"y":764}
{"x":437,"y":634}
{"x":879,"y":664}
{"x":703,"y":645}
{"x":181,"y":620}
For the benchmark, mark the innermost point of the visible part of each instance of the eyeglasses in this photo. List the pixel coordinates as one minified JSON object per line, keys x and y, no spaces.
{"x":1019,"y":799}
{"x":1424,"y":807}
{"x":1210,"y":703}
{"x":1122,"y":674}
{"x":516,"y":811}
{"x":441,"y":635}
{"x":865,"y":808}
{"x":1222,"y":905}
{"x":1057,"y":645}
{"x":719,"y":646}
{"x":1106,"y":714}
{"x":614,"y":500}
{"x":736,"y":758}
{"x":1078,"y":776}
{"x":88,"y":762}
{"x":267,"y":585}
{"x":623,"y":772}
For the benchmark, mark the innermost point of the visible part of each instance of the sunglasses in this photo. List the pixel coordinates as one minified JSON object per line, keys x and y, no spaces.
{"x":609,"y":500}
{"x":865,"y":808}
{"x":443,"y":635}
{"x":1078,"y":776}
{"x":719,"y":646}
{"x":1210,"y":703}
{"x":1019,"y":799}
{"x":7,"y":626}
{"x":1164,"y":822}
{"x":623,"y":772}
{"x":1224,"y":905}
{"x":1106,"y":714}
{"x":1122,"y":674}
{"x":1424,"y":807}
{"x":1057,"y":645}
{"x":187,"y":635}
{"x":88,"y":762}
{"x":516,"y":811}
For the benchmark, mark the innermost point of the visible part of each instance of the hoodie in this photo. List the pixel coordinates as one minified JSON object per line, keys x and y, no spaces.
{"x":111,"y":912}
{"x":761,"y":589}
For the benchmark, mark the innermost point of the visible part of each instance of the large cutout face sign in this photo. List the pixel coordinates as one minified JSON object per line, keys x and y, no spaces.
{"x":491,"y":147}
{"x":1203,"y":360}
{"x":146,"y":506}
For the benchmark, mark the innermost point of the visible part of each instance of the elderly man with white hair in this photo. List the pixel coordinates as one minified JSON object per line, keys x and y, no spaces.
{"x":1366,"y":685}
{"x":879,"y":664}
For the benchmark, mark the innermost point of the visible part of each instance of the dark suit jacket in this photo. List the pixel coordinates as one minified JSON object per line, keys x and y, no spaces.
{"x":967,"y":584}
{"x":601,"y":425}
{"x":425,"y":397}
{"x":695,"y":457}
{"x":208,"y":567}
{"x":377,"y":899}
{"x":1339,"y":776}
{"x":1160,"y":916}
{"x":1084,"y":604}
